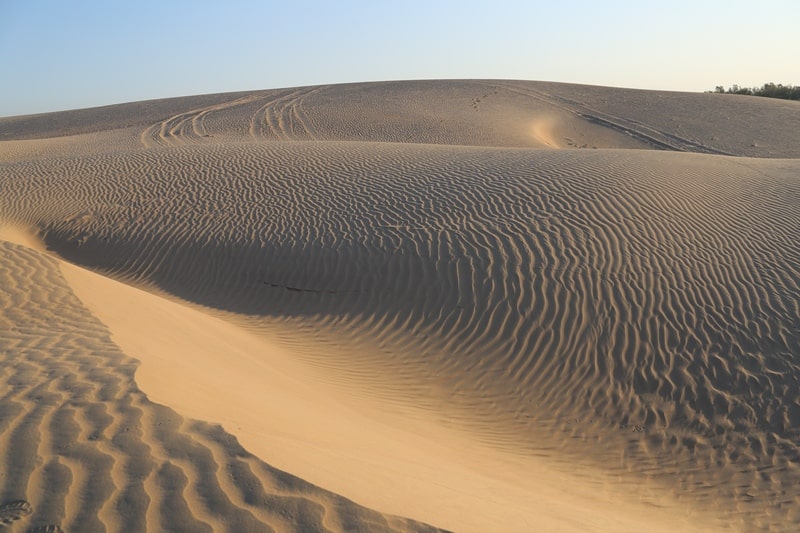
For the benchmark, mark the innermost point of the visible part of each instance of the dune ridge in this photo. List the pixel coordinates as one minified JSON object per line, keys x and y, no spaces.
{"x":447,"y":253}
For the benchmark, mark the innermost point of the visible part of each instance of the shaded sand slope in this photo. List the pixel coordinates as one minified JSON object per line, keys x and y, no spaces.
{"x":90,"y":452}
{"x":624,"y":320}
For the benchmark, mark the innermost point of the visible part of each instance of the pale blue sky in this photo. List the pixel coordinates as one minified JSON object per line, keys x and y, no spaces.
{"x":70,"y":54}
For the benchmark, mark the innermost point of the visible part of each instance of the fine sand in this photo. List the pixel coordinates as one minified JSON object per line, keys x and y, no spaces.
{"x":480,"y":305}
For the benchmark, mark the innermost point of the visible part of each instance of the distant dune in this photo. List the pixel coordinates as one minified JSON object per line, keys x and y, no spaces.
{"x":482,"y":305}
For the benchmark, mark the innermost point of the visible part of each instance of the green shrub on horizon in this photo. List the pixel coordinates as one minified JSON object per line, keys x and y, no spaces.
{"x":769,"y":90}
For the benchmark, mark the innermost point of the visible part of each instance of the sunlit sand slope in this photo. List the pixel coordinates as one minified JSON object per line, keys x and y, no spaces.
{"x":88,"y":451}
{"x":444,"y":252}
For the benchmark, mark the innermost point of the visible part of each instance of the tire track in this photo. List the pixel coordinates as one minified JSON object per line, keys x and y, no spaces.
{"x":186,"y":128}
{"x":656,"y":138}
{"x":283,"y":117}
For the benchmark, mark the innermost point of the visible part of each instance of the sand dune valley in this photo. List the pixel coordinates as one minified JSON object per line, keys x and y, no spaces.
{"x":402,"y":306}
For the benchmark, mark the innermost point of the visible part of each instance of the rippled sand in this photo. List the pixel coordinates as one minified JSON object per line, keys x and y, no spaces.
{"x":483,"y":305}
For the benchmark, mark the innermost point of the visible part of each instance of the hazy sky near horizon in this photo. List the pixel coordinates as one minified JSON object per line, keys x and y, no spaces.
{"x":57,"y":55}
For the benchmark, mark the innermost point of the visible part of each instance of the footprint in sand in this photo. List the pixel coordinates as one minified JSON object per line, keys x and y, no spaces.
{"x":15,"y":510}
{"x":12,"y":511}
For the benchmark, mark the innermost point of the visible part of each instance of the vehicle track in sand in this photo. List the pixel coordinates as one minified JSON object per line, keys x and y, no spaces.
{"x":656,"y":138}
{"x":283,"y":117}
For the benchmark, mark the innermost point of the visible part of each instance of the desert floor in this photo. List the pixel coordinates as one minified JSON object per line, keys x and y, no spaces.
{"x":481,"y":305}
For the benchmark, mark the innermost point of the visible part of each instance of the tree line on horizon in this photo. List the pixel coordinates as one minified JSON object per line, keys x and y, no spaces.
{"x":770,"y":90}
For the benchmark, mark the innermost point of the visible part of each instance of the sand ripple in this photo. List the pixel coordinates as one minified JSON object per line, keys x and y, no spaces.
{"x":633,"y":310}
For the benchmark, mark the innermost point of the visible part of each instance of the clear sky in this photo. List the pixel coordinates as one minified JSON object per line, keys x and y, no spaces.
{"x":59,"y":54}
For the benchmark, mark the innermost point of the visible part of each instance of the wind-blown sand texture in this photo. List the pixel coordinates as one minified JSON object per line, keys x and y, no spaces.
{"x":483,"y":305}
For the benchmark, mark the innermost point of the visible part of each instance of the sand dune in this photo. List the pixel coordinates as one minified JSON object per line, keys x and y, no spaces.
{"x":484,"y":305}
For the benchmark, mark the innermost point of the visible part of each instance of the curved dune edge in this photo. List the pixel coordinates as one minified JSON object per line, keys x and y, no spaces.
{"x":84,"y":449}
{"x":210,"y":369}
